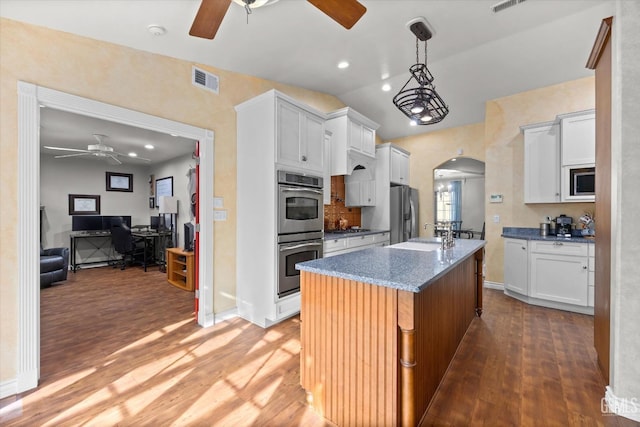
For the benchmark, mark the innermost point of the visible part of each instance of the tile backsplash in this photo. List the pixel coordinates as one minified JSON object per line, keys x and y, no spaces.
{"x":337,"y":209}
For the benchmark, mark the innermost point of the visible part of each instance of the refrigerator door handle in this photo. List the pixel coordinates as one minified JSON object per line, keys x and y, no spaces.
{"x":412,"y":230}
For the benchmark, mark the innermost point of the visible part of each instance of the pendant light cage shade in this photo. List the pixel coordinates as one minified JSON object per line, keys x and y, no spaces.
{"x":418,"y":99}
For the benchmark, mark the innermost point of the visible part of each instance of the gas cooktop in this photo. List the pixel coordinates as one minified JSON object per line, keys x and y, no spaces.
{"x":348,"y":231}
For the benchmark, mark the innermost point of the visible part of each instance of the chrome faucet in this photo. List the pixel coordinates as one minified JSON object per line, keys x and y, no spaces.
{"x":446,"y":241}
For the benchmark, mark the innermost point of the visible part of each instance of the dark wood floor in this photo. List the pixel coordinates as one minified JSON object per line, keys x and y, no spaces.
{"x":121,"y":348}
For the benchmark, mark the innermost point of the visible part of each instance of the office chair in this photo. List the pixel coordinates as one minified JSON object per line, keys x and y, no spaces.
{"x":127,"y":245}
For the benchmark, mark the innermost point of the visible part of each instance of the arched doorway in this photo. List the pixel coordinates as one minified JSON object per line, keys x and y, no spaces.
{"x":458,"y":194}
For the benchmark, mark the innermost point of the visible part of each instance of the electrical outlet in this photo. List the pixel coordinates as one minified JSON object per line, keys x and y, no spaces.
{"x":496,"y":219}
{"x":219,"y":215}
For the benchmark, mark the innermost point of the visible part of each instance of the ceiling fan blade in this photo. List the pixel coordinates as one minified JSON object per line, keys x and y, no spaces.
{"x":114,"y":158}
{"x":71,"y":155}
{"x":209,"y":18}
{"x":115,"y":153}
{"x":344,"y":12}
{"x":66,"y":149}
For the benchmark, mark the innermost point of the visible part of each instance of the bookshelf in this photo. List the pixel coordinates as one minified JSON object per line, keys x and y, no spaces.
{"x":180,"y":269}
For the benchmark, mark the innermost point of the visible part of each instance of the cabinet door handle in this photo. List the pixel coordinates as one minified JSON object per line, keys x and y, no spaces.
{"x":584,"y":267}
{"x":304,"y":158}
{"x":524,"y":249}
{"x":558,"y":243}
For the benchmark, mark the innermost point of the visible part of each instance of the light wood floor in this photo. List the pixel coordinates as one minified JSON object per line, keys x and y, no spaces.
{"x":122,"y":348}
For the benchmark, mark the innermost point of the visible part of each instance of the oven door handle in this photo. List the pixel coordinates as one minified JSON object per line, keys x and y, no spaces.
{"x":303,"y":245}
{"x":301,"y":190}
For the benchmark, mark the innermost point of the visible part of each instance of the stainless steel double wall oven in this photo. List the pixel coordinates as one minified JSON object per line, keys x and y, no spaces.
{"x":300,"y":222}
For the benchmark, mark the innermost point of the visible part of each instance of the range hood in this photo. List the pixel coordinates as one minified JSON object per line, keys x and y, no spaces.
{"x":359,"y":161}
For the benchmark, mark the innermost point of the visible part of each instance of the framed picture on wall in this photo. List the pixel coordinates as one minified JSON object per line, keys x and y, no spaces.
{"x":164,"y":187}
{"x":119,"y":181}
{"x":152,"y":202}
{"x":84,"y":204}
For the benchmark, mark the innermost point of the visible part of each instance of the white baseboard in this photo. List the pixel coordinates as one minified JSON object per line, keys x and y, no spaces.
{"x":225,"y":315}
{"x":494,"y":285}
{"x":628,"y":408}
{"x":8,"y":388}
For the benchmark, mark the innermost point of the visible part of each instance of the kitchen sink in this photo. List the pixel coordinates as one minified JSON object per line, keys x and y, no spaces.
{"x":416,"y":246}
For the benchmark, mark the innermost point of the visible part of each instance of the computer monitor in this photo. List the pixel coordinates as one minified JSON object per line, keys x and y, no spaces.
{"x":107,"y":221}
{"x":154,"y":222}
{"x":189,"y":235}
{"x":86,"y":223}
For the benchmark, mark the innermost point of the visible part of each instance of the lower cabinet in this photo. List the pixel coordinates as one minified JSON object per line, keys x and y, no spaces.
{"x":345,"y":245}
{"x":550,"y":273}
{"x":516,"y":260}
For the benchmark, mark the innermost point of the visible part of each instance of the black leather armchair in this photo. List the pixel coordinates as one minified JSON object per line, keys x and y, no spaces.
{"x":54,"y":264}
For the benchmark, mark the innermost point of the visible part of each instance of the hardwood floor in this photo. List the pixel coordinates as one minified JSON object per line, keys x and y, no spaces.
{"x":122,"y":348}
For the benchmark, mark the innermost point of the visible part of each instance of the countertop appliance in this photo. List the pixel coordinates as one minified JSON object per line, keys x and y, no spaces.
{"x":582,"y":181}
{"x":563,"y":225}
{"x":404,"y":213}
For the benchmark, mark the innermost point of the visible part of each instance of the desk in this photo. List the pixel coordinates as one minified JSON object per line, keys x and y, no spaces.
{"x":99,"y":243}
{"x":156,"y":241}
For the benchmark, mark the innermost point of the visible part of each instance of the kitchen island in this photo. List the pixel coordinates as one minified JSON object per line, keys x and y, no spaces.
{"x":380,"y":327}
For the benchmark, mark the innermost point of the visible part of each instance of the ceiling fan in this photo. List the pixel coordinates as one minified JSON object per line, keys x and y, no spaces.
{"x":98,"y":150}
{"x":211,"y":13}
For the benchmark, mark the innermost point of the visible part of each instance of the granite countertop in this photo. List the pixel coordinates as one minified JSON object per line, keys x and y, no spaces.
{"x":534,"y":234}
{"x":329,"y":235}
{"x":404,"y":269}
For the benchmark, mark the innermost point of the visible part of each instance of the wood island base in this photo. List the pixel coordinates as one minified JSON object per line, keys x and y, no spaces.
{"x":374,"y":355}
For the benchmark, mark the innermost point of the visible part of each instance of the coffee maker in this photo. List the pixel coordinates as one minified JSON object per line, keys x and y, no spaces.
{"x":563,"y":226}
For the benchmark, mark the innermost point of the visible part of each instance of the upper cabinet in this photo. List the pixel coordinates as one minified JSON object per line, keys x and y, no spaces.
{"x":353,"y":141}
{"x":578,"y":138}
{"x":299,"y":136}
{"x":552,"y":152}
{"x":399,"y":173}
{"x":542,"y":163}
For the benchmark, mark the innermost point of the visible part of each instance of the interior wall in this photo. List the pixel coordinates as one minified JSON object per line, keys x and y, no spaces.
{"x":625,"y":291}
{"x":472,"y":201}
{"x":432,"y":149}
{"x":120,"y":76}
{"x":176,"y":168}
{"x":61,"y":177}
{"x":504,"y":173}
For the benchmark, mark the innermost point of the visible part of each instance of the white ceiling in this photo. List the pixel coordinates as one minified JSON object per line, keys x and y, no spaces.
{"x":474,"y":55}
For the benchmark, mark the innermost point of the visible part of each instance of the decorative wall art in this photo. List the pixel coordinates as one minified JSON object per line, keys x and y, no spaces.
{"x":84,"y":204}
{"x":119,"y":181}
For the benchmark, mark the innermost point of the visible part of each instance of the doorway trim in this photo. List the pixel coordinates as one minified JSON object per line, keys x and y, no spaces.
{"x":30,"y":99}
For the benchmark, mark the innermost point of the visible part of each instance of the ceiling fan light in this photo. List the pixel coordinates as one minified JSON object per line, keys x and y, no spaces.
{"x":427,"y":117}
{"x":255,"y":4}
{"x":417,"y":107}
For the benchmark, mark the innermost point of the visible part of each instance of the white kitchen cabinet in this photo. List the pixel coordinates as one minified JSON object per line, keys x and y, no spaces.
{"x":578,"y":137}
{"x":299,"y":137}
{"x":542,"y":163}
{"x":360,"y":189}
{"x":327,"y":168}
{"x":516,"y":260}
{"x":274,"y":132}
{"x":332,"y":247}
{"x":353,"y":141}
{"x":559,"y":278}
{"x":550,"y":273}
{"x":399,"y":167}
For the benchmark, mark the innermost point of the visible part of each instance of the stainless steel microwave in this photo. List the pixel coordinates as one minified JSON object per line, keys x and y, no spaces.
{"x":582,"y":181}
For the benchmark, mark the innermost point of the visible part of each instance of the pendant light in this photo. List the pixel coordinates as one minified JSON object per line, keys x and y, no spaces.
{"x":418,"y":99}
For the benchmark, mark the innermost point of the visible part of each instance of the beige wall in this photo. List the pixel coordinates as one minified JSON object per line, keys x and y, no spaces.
{"x":505,"y":160}
{"x":499,"y":143}
{"x":432,"y":149}
{"x":133,"y":79}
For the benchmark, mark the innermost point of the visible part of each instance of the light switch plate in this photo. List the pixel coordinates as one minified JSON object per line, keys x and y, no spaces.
{"x":219,"y":215}
{"x":496,"y":219}
{"x":218,"y":203}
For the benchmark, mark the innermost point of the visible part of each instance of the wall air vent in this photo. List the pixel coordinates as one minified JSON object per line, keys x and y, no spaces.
{"x":498,"y":7}
{"x":205,"y":80}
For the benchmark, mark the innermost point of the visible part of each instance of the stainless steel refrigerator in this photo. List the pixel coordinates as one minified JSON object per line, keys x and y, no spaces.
{"x":404,"y":213}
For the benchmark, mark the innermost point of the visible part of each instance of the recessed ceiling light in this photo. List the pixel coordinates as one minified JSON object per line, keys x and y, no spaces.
{"x":132,"y":154}
{"x":157,"y":30}
{"x":343,"y":65}
{"x":413,"y":123}
{"x":149,"y":147}
{"x":386,"y":87}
